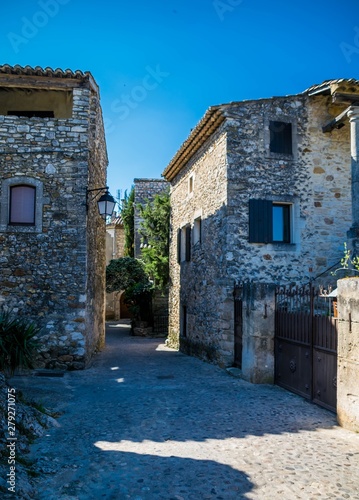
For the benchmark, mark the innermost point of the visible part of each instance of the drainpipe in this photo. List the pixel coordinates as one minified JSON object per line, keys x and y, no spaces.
{"x":353,"y":233}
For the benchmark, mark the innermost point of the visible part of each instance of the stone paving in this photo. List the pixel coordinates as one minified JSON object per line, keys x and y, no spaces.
{"x":146,"y":422}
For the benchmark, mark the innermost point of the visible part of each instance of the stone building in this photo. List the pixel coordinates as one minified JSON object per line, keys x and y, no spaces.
{"x":52,"y":239}
{"x":260,"y":193}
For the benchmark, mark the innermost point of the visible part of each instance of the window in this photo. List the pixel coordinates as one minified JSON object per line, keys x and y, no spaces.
{"x":22,"y":205}
{"x":190,"y":185}
{"x":184,"y":321}
{"x":184,"y":244}
{"x":280,"y":137}
{"x":30,"y":114}
{"x":197,"y":231}
{"x":281,"y":223}
{"x":269,"y":222}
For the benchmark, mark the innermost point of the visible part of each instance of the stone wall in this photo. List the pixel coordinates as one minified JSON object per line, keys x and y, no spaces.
{"x":96,"y":235}
{"x":201,"y":285}
{"x":233,"y":166}
{"x":316,"y":181}
{"x":53,"y":272}
{"x":348,"y":354}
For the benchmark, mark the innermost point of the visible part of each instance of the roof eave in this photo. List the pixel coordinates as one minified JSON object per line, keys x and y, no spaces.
{"x":212,"y":119}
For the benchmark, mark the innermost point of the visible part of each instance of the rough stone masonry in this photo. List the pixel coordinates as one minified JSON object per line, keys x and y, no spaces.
{"x":52,"y":268}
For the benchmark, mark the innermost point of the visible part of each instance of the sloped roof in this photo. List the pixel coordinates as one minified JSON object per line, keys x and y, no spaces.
{"x":38,"y":71}
{"x":326,"y":86}
{"x":12,"y":76}
{"x":215,"y":115}
{"x":204,"y":129}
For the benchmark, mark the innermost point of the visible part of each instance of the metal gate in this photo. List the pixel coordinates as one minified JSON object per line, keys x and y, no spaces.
{"x":306,"y":344}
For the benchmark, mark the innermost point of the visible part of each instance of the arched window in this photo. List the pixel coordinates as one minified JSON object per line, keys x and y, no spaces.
{"x":22,"y":205}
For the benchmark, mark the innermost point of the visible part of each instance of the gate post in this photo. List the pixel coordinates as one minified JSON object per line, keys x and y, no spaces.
{"x":348,"y":354}
{"x":258,"y":332}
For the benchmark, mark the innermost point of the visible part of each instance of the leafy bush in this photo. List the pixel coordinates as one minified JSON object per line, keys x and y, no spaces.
{"x":129,"y":275}
{"x":155,"y":232}
{"x":349,"y":264}
{"x":17,"y":342}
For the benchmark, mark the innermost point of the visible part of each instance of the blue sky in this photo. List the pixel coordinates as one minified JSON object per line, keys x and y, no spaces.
{"x":161,"y":64}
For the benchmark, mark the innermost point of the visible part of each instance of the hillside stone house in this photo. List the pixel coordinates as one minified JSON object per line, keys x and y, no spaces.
{"x":52,"y":239}
{"x":261,"y":193}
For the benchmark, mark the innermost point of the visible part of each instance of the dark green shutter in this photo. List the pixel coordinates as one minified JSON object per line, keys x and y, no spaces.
{"x":260,"y":221}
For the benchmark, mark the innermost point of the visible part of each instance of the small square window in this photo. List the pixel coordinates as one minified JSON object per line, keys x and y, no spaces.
{"x":280,"y":137}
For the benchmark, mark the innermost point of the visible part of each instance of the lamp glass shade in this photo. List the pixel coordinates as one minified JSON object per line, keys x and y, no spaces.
{"x":106,"y":205}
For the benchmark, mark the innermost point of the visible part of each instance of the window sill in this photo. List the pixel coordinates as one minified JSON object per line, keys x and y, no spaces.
{"x":283,"y":247}
{"x":20,"y":229}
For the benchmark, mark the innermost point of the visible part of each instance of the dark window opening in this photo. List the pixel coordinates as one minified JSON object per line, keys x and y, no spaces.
{"x":31,"y":114}
{"x":280,"y":137}
{"x":184,"y":322}
{"x":184,"y":244}
{"x":22,"y":205}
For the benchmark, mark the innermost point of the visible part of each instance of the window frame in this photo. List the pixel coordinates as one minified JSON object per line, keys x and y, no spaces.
{"x":286,"y":221}
{"x":6,"y":185}
{"x":261,"y":221}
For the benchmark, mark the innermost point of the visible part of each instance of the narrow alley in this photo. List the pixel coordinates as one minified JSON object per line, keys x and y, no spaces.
{"x":146,"y":422}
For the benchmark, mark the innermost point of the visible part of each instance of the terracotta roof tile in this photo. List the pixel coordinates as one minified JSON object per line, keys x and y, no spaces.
{"x":38,"y":71}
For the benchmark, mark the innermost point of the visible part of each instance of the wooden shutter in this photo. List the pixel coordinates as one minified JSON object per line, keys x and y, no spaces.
{"x":179,"y":234}
{"x":260,"y":221}
{"x":188,"y":243}
{"x":280,"y":137}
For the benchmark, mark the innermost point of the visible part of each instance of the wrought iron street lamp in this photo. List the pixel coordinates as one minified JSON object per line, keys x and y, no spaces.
{"x":106,"y":203}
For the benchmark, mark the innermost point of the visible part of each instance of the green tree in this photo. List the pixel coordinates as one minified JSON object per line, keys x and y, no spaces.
{"x":129,"y":275}
{"x":155,"y":228}
{"x":128,"y":218}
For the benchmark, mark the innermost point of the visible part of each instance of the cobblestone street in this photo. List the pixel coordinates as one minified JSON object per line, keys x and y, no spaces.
{"x":146,"y":422}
